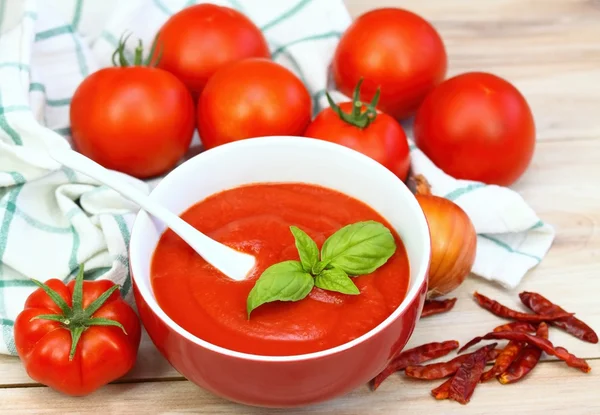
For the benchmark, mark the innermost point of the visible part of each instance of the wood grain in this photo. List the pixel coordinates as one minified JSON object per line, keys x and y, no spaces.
{"x":546,"y":387}
{"x":550,"y":49}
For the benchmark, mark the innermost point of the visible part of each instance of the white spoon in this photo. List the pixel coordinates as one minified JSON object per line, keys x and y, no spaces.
{"x":234,"y":264}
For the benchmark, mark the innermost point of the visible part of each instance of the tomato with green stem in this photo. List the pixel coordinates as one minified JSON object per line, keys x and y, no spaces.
{"x":133,"y":118}
{"x":364,"y":129}
{"x":77,"y":337}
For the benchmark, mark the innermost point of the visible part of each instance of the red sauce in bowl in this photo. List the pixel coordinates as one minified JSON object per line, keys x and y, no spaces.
{"x":256,"y":219}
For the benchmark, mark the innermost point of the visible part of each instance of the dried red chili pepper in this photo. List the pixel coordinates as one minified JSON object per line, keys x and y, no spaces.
{"x":415,"y":356}
{"x":510,"y":351}
{"x":539,"y":342}
{"x":542,"y":330}
{"x":443,"y":369}
{"x":516,"y":326}
{"x":502,"y":311}
{"x":541,"y":305}
{"x":526,"y":361}
{"x":442,"y":391}
{"x":507,"y":356}
{"x":467,"y":377}
{"x":432,"y":307}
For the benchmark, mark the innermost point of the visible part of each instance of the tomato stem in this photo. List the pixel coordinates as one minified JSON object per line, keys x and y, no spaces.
{"x":77,"y":319}
{"x":75,"y":336}
{"x":357,"y":117}
{"x":53,"y":317}
{"x":98,"y":302}
{"x":139,"y":51}
{"x":119,"y":59}
{"x":58,"y":300}
{"x":149,"y":60}
{"x":120,"y":52}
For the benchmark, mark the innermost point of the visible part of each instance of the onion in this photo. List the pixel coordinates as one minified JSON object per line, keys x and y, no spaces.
{"x":453,"y":241}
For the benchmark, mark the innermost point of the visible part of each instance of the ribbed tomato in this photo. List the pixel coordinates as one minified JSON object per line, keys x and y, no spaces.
{"x":77,"y":337}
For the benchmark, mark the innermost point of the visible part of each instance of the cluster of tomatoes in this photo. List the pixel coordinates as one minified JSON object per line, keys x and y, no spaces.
{"x":210,"y":69}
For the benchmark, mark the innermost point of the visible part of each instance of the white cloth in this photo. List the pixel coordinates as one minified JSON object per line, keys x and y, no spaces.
{"x":52,"y":218}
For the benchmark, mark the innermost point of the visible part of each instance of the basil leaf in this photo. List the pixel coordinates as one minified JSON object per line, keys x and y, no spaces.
{"x":359,"y":248}
{"x":307,"y":248}
{"x":318,"y":267}
{"x":335,"y":279}
{"x":285,"y":281}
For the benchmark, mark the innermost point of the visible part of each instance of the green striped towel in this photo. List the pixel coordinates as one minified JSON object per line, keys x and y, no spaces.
{"x":52,"y":219}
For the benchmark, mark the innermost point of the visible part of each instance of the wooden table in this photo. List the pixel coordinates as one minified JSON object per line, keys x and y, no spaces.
{"x":550,"y":49}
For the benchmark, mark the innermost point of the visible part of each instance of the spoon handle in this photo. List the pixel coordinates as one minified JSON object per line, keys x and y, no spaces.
{"x":215,"y":253}
{"x":88,"y":167}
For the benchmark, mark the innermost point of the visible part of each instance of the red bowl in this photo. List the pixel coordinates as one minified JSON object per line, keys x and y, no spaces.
{"x":283,"y":381}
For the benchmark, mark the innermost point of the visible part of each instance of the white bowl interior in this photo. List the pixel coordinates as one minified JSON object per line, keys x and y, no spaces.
{"x":283,"y":159}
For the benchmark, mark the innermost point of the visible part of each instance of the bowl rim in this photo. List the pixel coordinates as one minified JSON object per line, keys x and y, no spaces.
{"x":411,"y":295}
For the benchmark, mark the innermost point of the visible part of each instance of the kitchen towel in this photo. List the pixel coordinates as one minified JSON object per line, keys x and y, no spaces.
{"x":52,"y":218}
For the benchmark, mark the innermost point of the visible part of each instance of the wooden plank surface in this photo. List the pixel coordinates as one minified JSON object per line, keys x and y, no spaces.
{"x":550,"y":49}
{"x":551,"y":387}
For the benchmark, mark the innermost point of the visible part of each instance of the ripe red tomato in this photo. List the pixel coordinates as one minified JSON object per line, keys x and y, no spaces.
{"x":200,"y":39}
{"x":393,"y":49}
{"x":72,"y":344}
{"x":138,"y":120}
{"x":374,"y":134}
{"x":477,"y":126}
{"x":252,"y":98}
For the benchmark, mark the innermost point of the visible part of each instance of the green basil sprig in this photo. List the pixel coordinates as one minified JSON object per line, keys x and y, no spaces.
{"x":355,"y":249}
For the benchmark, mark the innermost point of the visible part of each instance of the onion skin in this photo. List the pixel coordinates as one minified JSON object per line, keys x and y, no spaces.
{"x":453,"y":244}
